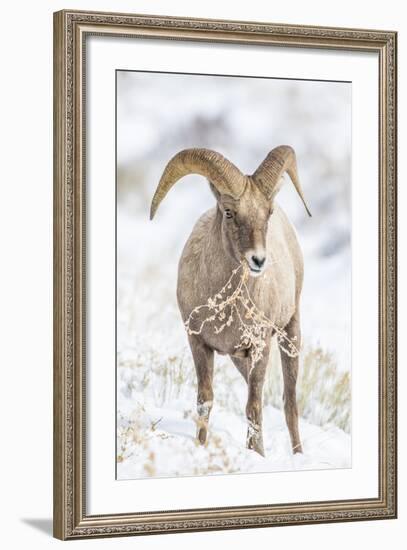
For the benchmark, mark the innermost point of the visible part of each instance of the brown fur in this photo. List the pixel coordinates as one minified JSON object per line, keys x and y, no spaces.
{"x":215,"y":247}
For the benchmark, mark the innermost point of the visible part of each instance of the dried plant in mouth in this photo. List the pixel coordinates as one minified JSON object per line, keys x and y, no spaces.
{"x":234,"y":303}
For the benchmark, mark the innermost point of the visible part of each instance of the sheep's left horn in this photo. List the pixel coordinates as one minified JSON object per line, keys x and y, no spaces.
{"x":223,"y":174}
{"x":268,"y":174}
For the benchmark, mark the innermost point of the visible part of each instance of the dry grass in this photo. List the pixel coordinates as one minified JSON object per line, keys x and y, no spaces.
{"x":164,"y":377}
{"x":323,"y":391}
{"x":155,"y":379}
{"x":136,"y":439}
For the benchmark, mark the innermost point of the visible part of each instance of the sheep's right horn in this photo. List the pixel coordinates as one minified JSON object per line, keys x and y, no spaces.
{"x":268,"y":175}
{"x":223,"y":174}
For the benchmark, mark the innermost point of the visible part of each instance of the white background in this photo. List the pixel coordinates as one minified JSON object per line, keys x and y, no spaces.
{"x":26,"y":296}
{"x":104,"y":493}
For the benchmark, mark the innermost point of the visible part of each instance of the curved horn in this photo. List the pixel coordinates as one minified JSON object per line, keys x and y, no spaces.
{"x":268,"y":174}
{"x":224,"y":175}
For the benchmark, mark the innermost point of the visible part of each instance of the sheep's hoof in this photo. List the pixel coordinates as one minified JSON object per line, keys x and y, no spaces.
{"x":202,"y":434}
{"x":256,"y":446}
{"x":297,"y":448}
{"x":255,"y":440}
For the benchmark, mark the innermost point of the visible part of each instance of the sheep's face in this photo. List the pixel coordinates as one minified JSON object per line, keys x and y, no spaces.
{"x":244,"y":227}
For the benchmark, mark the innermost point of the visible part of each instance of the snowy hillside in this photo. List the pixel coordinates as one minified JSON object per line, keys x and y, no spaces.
{"x":156,"y":386}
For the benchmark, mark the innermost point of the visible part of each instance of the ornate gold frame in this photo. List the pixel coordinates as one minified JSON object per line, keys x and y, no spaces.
{"x":70,"y":518}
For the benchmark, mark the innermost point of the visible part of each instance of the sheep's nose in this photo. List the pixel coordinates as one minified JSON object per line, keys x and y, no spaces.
{"x":259,"y":261}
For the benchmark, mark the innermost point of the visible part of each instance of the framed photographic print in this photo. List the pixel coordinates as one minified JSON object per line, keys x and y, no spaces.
{"x":225,"y":274}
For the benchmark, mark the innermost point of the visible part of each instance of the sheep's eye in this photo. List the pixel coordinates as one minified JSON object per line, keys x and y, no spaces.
{"x":228,"y":213}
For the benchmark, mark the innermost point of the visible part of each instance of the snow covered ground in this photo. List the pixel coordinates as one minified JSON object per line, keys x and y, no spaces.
{"x":156,"y":389}
{"x":160,"y":441}
{"x":156,"y":386}
{"x":156,"y":427}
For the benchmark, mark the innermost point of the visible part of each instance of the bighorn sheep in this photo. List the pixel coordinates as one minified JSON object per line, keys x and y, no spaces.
{"x":246,"y":228}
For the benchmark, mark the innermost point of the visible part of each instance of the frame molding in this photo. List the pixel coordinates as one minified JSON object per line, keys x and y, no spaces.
{"x":70,"y":31}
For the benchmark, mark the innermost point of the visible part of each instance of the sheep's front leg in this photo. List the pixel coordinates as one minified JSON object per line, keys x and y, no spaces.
{"x":203,"y":359}
{"x":254,"y":407}
{"x":290,"y":374}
